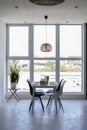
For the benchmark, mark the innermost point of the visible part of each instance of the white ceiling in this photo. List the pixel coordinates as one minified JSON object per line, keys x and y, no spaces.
{"x":31,"y":13}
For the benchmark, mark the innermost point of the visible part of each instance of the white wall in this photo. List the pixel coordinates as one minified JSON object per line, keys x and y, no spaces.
{"x":2,"y":60}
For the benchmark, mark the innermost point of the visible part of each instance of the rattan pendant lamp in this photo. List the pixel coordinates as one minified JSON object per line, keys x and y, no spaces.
{"x":46,"y":47}
{"x":47,"y":2}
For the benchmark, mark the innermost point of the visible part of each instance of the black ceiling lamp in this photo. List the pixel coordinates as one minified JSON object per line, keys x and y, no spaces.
{"x":47,"y":2}
{"x":46,"y":47}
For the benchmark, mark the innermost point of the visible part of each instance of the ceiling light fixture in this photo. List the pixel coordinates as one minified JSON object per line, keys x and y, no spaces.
{"x":76,"y":7}
{"x":46,"y":47}
{"x":47,"y":2}
{"x":16,"y":7}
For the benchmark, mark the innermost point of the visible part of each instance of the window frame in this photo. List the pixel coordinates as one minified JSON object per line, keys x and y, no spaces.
{"x":31,"y":57}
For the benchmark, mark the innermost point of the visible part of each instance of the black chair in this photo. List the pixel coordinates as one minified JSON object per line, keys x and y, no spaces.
{"x":36,"y":94}
{"x":57,"y":94}
{"x":50,"y":92}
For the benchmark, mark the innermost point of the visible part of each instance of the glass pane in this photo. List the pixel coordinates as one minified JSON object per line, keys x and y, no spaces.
{"x":44,"y":68}
{"x":24,"y":73}
{"x":18,"y":41}
{"x":40,"y":38}
{"x":71,"y":72}
{"x":70,"y":41}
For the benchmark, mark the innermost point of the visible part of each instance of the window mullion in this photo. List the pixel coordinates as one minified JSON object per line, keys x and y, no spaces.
{"x":31,"y":55}
{"x":57,"y":53}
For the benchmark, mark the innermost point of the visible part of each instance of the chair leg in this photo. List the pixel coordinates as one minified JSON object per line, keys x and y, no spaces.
{"x":48,"y":101}
{"x":30,"y":106}
{"x":55,"y":101}
{"x":41,"y":103}
{"x":51,"y":100}
{"x":60,"y":104}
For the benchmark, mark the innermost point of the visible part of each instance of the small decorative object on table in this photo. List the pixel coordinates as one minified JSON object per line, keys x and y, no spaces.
{"x":47,"y":79}
{"x":43,"y":82}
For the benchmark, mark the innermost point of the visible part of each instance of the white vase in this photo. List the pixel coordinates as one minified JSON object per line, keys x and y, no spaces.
{"x":13,"y":85}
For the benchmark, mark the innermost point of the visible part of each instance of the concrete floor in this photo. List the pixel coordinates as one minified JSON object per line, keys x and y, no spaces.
{"x":15,"y":116}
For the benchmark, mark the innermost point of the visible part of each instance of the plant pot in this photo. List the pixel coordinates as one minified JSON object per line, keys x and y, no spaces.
{"x":13,"y":85}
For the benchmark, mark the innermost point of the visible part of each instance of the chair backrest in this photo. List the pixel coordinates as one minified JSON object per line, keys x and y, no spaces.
{"x":30,"y":86}
{"x":61,"y":87}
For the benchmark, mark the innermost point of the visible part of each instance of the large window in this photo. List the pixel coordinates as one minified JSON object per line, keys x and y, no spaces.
{"x":70,"y":57}
{"x":64,"y":61}
{"x":43,"y":63}
{"x":19,"y":51}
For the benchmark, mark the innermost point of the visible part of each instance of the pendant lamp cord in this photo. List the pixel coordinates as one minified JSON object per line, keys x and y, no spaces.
{"x":46,"y":17}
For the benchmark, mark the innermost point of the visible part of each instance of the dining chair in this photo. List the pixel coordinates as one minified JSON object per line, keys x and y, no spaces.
{"x":51,"y":91}
{"x":57,"y":94}
{"x":38,"y":94}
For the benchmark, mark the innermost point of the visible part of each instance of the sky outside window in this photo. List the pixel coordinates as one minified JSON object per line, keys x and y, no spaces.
{"x":18,"y":41}
{"x":70,"y":41}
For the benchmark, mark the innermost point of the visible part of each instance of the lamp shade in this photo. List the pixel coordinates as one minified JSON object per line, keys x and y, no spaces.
{"x":46,"y":47}
{"x":47,"y":2}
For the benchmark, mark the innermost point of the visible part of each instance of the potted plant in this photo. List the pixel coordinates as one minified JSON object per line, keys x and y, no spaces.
{"x":14,"y":70}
